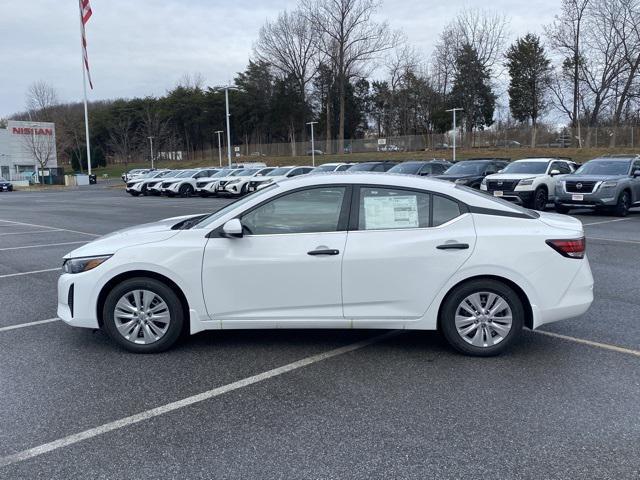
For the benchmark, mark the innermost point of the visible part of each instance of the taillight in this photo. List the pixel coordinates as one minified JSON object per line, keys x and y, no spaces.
{"x":571,"y":248}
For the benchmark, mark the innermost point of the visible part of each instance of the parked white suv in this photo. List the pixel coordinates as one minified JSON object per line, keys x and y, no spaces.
{"x":185,"y":183}
{"x":276,"y":174}
{"x":209,"y":185}
{"x":140,"y":185}
{"x":239,"y":185}
{"x":530,"y":182}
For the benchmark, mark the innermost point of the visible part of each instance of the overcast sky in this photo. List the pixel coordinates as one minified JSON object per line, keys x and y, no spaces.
{"x":142,"y":47}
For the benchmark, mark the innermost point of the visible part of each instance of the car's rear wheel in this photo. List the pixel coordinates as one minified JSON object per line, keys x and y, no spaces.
{"x":134,"y":194}
{"x":204,"y":193}
{"x":143,"y":315}
{"x":540,"y":199}
{"x":624,"y":203}
{"x":482,"y":317}
{"x":186,"y":190}
{"x":562,"y":209}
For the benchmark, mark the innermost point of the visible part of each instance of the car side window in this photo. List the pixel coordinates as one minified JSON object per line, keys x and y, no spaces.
{"x":306,"y":211}
{"x":636,"y":166}
{"x":444,"y":210}
{"x":387,"y":209}
{"x":342,"y":168}
{"x":426,"y":170}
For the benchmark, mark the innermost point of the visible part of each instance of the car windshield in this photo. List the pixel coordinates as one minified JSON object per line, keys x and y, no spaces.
{"x":278,"y":172}
{"x":204,"y":222}
{"x":511,"y":206}
{"x":526,"y":167}
{"x":247,"y":172}
{"x":363,"y":167}
{"x":186,"y":173}
{"x":407,"y":167}
{"x":327,"y":167}
{"x":466,"y":168}
{"x":604,"y":167}
{"x":222,"y":173}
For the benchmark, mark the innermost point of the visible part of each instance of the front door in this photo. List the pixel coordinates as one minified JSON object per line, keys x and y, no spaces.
{"x":402,"y":248}
{"x":285,"y":271}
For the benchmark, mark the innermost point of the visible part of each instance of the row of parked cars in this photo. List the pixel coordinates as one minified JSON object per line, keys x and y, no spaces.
{"x":611,"y":183}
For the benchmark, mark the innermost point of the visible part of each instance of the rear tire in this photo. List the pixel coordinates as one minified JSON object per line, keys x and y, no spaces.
{"x":562,"y":209}
{"x":134,"y":194}
{"x":115,"y":318}
{"x":486,"y":325}
{"x":622,"y":207}
{"x":204,"y":194}
{"x":186,"y":190}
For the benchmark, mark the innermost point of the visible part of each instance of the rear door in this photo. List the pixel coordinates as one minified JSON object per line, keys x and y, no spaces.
{"x":402,"y":247}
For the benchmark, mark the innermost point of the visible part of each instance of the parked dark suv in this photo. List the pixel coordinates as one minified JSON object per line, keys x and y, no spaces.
{"x":471,"y":172}
{"x":606,"y":182}
{"x":372,"y":166}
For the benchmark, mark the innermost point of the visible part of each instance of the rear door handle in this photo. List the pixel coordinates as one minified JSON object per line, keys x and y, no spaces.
{"x":326,"y":251}
{"x":453,"y":246}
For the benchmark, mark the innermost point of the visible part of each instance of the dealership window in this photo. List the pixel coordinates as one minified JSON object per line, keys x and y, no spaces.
{"x":305,"y":211}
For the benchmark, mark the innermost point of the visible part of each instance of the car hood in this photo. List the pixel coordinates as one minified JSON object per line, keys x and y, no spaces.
{"x":128,"y":237}
{"x":452,"y":178}
{"x":593,"y":178}
{"x":565,"y":222}
{"x":512,"y":176}
{"x":275,"y":179}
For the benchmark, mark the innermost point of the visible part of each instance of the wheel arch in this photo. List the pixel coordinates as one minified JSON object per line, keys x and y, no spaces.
{"x":526,"y":303}
{"x":107,"y":287}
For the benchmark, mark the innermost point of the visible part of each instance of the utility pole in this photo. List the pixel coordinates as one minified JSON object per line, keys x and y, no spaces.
{"x":455,"y":131}
{"x":219,"y":150}
{"x":226,"y":101}
{"x":313,"y":145}
{"x":151,"y":146}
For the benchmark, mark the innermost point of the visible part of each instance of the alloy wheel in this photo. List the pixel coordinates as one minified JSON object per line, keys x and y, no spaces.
{"x":142,"y":317}
{"x":483,"y":319}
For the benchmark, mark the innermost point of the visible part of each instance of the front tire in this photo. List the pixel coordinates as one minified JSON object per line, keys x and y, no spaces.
{"x":482,"y":318}
{"x":186,"y":190}
{"x":540,"y":199}
{"x":143,"y":315}
{"x":622,"y":207}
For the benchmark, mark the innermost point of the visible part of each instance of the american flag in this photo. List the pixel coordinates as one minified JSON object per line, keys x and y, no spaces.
{"x":85,"y":15}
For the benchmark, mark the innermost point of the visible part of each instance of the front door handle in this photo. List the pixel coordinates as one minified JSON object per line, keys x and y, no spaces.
{"x":326,"y":251}
{"x":453,"y":246}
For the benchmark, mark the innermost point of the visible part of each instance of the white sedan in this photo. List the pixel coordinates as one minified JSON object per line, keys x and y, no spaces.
{"x":360,"y":250}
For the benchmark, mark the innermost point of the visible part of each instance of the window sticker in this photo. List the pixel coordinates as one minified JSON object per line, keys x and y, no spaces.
{"x":391,"y":212}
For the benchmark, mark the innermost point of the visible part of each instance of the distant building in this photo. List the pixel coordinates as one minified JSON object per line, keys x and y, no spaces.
{"x":17,"y":144}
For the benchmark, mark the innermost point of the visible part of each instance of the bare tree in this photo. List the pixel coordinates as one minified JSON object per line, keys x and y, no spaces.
{"x":121,"y":138}
{"x":41,"y":145}
{"x":41,"y":98}
{"x":565,"y":35}
{"x":153,"y":125}
{"x":290,"y":45}
{"x":191,"y":81}
{"x":348,"y":35}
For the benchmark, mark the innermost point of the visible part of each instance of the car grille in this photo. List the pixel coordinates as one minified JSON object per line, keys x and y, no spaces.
{"x":504,"y":185}
{"x":131,"y":184}
{"x":222,"y":183}
{"x":152,"y":184}
{"x":202,"y":184}
{"x":254,"y":183}
{"x":166,"y":184}
{"x":577,"y":186}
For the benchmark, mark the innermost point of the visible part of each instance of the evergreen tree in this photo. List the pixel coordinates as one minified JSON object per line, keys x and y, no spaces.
{"x":472,"y":91}
{"x":530,"y":71}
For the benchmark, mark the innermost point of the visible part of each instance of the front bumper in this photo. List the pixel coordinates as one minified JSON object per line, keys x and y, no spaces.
{"x":520,"y":197}
{"x":78,"y":308}
{"x":599,"y":199}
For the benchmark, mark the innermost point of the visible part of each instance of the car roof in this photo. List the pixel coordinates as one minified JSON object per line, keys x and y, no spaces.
{"x":538,"y":159}
{"x":616,"y":159}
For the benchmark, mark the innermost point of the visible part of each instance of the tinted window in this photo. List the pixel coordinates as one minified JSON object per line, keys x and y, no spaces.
{"x":636,"y":166}
{"x":385,"y":208}
{"x":342,"y":168}
{"x":444,"y":209}
{"x":437,"y":168}
{"x":305,"y":211}
{"x":526,"y":167}
{"x":604,"y":167}
{"x":562,"y":167}
{"x":467,"y":168}
{"x":362,"y":167}
{"x":410,"y":168}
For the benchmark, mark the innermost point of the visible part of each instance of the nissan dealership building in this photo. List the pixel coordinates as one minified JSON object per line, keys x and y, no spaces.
{"x":17,"y":143}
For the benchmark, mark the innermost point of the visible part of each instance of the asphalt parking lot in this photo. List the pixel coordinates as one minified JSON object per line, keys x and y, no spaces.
{"x":349,"y":404}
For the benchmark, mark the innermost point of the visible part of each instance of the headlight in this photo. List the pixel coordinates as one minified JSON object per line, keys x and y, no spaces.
{"x":484,"y":181}
{"x":233,"y":182}
{"x":83,"y":264}
{"x":526,"y":181}
{"x":461,"y":181}
{"x":609,"y":184}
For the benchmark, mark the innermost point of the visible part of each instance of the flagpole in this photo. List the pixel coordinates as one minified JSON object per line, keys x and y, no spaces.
{"x":84,"y":85}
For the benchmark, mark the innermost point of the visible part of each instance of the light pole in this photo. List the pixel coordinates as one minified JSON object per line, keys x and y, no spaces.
{"x":219,"y":150}
{"x":34,"y":149}
{"x":313,"y":145}
{"x":226,"y":89}
{"x":455,"y":131}
{"x":151,"y":146}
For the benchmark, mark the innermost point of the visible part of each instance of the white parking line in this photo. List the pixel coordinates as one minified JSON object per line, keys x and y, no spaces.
{"x":29,"y":233}
{"x":606,"y":221}
{"x":591,"y":343}
{"x":29,"y":324}
{"x":29,"y":273}
{"x":613,"y":240}
{"x":185,"y":402}
{"x":36,"y":246}
{"x":51,"y":228}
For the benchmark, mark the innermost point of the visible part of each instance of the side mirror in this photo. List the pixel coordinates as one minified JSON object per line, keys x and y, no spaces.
{"x":500,"y":171}
{"x":554,"y":172}
{"x":636,"y":174}
{"x":233,"y":228}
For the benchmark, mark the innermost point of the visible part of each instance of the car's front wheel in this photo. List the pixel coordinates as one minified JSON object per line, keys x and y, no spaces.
{"x":540,"y":199}
{"x":143,"y":315}
{"x":186,"y":190}
{"x":624,"y":203}
{"x":482,"y":317}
